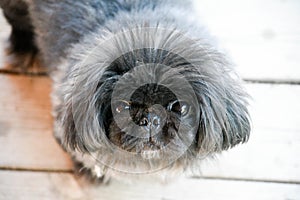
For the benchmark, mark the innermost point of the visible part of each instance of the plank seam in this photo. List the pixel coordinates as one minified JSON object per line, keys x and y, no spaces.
{"x":246,"y":180}
{"x":36,"y":170}
{"x":70,"y":171}
{"x":273,"y":81}
{"x":3,"y":71}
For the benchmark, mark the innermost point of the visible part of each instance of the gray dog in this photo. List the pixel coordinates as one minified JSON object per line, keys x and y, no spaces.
{"x":138,"y":85}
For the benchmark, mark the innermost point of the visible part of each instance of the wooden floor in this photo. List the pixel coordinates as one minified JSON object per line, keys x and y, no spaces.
{"x":262,"y":37}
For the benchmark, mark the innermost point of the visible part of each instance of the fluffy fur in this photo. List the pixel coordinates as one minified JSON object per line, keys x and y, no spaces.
{"x":110,"y":53}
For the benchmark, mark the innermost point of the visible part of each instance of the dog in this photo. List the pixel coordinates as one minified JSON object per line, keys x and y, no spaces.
{"x":139,"y":85}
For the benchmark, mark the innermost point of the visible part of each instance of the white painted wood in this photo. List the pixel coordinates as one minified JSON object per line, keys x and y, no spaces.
{"x":234,"y":18}
{"x":262,"y":37}
{"x":36,"y":185}
{"x":26,"y":138}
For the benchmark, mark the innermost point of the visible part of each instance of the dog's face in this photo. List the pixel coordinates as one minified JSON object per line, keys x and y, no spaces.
{"x":155,"y":105}
{"x":153,"y":121}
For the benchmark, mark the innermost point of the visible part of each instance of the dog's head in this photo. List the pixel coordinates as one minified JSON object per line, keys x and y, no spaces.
{"x":153,"y":96}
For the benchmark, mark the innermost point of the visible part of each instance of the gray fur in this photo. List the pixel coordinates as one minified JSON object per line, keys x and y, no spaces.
{"x":81,"y":41}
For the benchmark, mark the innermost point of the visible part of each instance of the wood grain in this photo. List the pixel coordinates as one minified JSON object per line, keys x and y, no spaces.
{"x":35,"y":185}
{"x":26,"y":138}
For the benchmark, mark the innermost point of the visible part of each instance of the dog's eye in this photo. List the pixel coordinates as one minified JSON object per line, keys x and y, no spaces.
{"x":180,"y":107}
{"x":122,"y":106}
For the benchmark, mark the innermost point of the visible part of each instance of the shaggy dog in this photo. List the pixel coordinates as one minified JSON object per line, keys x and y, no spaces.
{"x":139,"y":86}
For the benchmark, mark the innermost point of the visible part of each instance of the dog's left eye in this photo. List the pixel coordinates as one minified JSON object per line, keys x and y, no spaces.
{"x":122,"y":106}
{"x":179,"y":107}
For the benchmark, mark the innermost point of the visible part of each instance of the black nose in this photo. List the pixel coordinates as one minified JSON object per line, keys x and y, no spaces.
{"x":151,"y":121}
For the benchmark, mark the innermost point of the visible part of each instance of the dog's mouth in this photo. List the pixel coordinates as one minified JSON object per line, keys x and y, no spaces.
{"x":151,"y":149}
{"x":147,"y":147}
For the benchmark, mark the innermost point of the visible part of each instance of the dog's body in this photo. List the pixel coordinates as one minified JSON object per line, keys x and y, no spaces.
{"x":138,"y":86}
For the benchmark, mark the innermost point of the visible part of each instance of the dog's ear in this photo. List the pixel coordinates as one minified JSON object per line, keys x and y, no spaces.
{"x":237,"y":126}
{"x":224,"y":118}
{"x":70,"y":137}
{"x":65,"y":130}
{"x":83,"y":112}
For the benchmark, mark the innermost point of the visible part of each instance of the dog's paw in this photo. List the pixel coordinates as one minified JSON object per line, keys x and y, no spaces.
{"x":23,"y":63}
{"x":91,"y":175}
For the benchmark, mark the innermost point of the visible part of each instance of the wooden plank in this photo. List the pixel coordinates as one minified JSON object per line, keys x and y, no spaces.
{"x":262,"y":37}
{"x":272,"y":153}
{"x":36,"y":185}
{"x":259,"y":59}
{"x":26,"y":138}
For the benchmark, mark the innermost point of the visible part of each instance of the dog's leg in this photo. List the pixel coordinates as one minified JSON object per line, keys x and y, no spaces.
{"x":22,"y":53}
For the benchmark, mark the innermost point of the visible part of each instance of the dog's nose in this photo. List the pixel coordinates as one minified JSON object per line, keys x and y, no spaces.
{"x":150,"y":121}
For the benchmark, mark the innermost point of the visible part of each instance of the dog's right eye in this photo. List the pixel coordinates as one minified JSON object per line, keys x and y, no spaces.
{"x":121,"y":106}
{"x":180,"y":107}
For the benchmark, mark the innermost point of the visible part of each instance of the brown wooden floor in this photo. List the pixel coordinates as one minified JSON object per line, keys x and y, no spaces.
{"x":262,"y":37}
